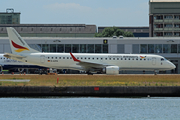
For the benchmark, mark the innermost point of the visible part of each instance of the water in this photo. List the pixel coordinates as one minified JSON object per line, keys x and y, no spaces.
{"x":89,"y":108}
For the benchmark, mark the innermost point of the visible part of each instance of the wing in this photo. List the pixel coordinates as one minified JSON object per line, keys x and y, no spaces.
{"x":88,"y":65}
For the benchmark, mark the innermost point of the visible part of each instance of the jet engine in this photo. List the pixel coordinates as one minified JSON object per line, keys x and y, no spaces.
{"x":111,"y":70}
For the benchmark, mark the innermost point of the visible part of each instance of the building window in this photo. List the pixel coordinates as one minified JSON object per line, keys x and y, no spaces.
{"x":166,"y":48}
{"x":52,"y":47}
{"x":98,"y":48}
{"x":150,"y":48}
{"x":178,"y":48}
{"x":75,"y":48}
{"x":90,"y":48}
{"x":82,"y":48}
{"x":173,"y":48}
{"x":45,"y":47}
{"x":168,"y":17}
{"x":105,"y":48}
{"x":143,"y":48}
{"x":60,"y":48}
{"x":158,"y":48}
{"x":67,"y":48}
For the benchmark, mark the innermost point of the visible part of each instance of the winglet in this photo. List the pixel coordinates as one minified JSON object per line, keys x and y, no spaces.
{"x":76,"y":60}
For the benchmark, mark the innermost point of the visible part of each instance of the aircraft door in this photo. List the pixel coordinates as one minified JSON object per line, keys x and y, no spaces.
{"x":42,"y":59}
{"x":153,"y":61}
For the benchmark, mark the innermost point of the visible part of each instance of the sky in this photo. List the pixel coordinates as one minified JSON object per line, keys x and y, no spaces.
{"x":129,"y":13}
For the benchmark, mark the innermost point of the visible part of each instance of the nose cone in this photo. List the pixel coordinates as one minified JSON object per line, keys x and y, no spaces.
{"x":172,"y":66}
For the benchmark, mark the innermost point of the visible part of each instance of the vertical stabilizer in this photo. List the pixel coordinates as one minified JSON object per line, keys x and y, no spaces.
{"x":18,"y":45}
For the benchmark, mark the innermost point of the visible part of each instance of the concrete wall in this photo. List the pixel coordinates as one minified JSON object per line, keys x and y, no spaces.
{"x":90,"y":91}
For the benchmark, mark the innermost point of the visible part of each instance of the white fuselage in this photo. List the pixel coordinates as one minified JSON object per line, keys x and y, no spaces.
{"x":6,"y":63}
{"x":123,"y":61}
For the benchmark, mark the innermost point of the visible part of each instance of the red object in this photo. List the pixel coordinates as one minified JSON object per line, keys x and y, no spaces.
{"x":13,"y":73}
{"x":76,"y":60}
{"x":24,"y":73}
{"x":57,"y":80}
{"x":2,"y":73}
{"x":96,"y":88}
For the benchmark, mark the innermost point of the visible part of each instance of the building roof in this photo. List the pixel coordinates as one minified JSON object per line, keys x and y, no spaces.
{"x":164,"y":0}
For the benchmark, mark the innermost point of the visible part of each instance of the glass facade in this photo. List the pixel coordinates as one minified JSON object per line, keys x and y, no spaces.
{"x":143,"y":48}
{"x":173,"y":48}
{"x":150,"y":48}
{"x":90,"y":48}
{"x":45,"y":47}
{"x":158,"y":48}
{"x":60,"y":48}
{"x":67,"y":48}
{"x":166,"y":48}
{"x":52,"y":47}
{"x":82,"y":48}
{"x":105,"y":48}
{"x":98,"y":48}
{"x":74,"y":48}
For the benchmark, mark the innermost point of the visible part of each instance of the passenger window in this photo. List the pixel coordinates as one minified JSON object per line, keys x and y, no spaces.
{"x":48,"y":58}
{"x":109,"y":58}
{"x":117,"y":58}
{"x":125,"y":59}
{"x":121,"y":58}
{"x":140,"y":59}
{"x":144,"y":59}
{"x":162,"y":59}
{"x":137,"y":59}
{"x":52,"y":57}
{"x":105,"y":58}
{"x":77,"y":57}
{"x":89,"y":58}
{"x":129,"y":59}
{"x":81,"y":58}
{"x":56,"y":57}
{"x":63,"y":57}
{"x":84,"y":58}
{"x":101,"y":58}
{"x":67,"y":57}
{"x":59,"y":57}
{"x":113,"y":58}
{"x":70,"y":57}
{"x":93,"y":58}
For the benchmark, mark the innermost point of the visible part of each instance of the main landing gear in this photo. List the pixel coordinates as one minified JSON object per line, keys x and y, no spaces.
{"x":89,"y":73}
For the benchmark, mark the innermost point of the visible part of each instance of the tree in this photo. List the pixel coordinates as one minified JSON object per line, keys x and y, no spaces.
{"x":113,"y":31}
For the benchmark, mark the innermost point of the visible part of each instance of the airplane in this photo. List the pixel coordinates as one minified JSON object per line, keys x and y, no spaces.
{"x":12,"y":65}
{"x":109,"y":64}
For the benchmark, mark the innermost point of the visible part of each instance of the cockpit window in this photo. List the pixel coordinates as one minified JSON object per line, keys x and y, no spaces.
{"x":162,"y":59}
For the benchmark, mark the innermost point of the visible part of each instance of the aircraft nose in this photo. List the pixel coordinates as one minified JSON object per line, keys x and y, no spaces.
{"x":172,"y":66}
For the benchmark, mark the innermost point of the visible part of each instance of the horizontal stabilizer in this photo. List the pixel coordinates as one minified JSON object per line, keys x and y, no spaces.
{"x":9,"y":55}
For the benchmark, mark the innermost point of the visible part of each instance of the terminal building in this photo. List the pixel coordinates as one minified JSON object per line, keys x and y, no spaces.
{"x":166,"y":47}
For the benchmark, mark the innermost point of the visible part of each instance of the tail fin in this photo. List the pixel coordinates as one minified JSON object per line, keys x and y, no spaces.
{"x":18,"y":45}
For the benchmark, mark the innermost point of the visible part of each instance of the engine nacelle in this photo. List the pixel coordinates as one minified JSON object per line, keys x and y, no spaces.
{"x":111,"y":70}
